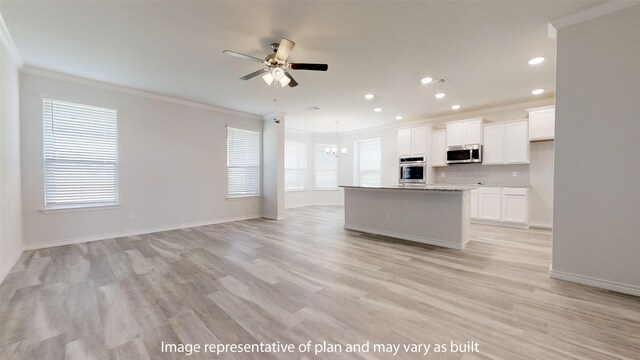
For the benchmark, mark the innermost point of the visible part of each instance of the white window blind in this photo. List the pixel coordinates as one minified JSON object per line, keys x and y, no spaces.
{"x":80,"y":155}
{"x":295,"y":166}
{"x":369,"y":162}
{"x":326,"y":168}
{"x":243,"y":162}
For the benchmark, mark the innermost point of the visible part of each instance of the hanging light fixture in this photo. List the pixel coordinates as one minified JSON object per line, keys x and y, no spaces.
{"x":278,"y":74}
{"x":333,"y":151}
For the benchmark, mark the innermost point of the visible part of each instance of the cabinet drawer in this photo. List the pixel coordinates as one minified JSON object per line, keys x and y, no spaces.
{"x":514,"y":191}
{"x":490,"y":190}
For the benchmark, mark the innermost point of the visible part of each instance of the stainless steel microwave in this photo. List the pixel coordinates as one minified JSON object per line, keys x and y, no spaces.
{"x":464,"y":154}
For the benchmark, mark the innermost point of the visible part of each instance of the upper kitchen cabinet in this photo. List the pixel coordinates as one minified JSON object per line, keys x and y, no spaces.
{"x":439,"y":149}
{"x":506,"y":143}
{"x":542,"y":123}
{"x":464,"y":132}
{"x":414,"y":141}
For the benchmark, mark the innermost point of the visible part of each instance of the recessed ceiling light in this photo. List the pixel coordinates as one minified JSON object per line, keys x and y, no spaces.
{"x":369,"y":96}
{"x":426,"y":80}
{"x":536,"y":60}
{"x":455,"y":107}
{"x":399,"y":117}
{"x":440,"y":95}
{"x":377,"y":109}
{"x":537,"y":91}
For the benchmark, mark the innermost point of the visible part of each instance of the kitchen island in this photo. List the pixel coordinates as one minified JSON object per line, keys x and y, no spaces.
{"x":431,"y":214}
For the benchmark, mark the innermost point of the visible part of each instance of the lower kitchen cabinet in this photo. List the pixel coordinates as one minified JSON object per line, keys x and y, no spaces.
{"x":506,"y":206}
{"x":489,"y":201}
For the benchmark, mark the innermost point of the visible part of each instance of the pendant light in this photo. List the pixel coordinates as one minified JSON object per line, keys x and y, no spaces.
{"x":334,"y":150}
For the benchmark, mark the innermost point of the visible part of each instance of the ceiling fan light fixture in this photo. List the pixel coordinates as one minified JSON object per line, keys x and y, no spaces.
{"x":268,"y":78}
{"x":284,"y":81}
{"x":277,"y":73}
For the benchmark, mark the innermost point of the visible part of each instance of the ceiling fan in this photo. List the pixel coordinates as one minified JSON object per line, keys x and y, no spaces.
{"x":276,"y":64}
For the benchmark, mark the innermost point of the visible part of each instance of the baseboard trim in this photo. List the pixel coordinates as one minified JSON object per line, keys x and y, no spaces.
{"x":595,"y":282}
{"x":419,"y":239}
{"x":149,"y":230}
{"x":500,"y":223}
{"x":540,"y":225}
{"x":9,"y":265}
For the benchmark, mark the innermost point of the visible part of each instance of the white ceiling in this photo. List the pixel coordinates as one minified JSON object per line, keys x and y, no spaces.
{"x":175,"y":49}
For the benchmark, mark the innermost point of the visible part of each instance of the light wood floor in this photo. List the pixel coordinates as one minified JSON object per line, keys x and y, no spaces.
{"x":306,"y":278}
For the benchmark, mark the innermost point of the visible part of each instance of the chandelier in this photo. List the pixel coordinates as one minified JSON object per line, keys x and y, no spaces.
{"x":333,"y":151}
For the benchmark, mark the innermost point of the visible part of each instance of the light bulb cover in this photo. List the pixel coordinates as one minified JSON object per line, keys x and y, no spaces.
{"x":277,"y":73}
{"x":268,"y":78}
{"x":343,"y":151}
{"x":285,"y":81}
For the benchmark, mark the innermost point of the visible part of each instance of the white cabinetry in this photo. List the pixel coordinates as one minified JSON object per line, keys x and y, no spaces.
{"x":514,"y":205}
{"x":464,"y":132}
{"x":489,"y":201}
{"x":439,"y":151}
{"x":404,"y":142}
{"x":414,"y":141}
{"x":506,"y":143}
{"x":474,"y":203}
{"x":542,"y":123}
{"x":493,"y":148}
{"x":516,"y":144}
{"x":507,"y":206}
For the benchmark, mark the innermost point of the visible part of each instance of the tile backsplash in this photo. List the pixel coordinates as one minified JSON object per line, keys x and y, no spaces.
{"x":486,"y":174}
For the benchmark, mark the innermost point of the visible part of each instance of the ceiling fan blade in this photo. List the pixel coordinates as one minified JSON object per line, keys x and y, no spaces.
{"x":284,"y":49}
{"x":254,"y":74}
{"x":293,"y":82}
{"x":307,"y":66}
{"x":243,"y":56}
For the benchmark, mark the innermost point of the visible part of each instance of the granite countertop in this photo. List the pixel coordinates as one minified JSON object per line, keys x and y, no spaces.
{"x":486,"y":185}
{"x":431,"y":187}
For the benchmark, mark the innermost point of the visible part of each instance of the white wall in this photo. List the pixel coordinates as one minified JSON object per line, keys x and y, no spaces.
{"x":172,"y":164}
{"x":597,"y":170}
{"x":541,"y":183}
{"x":10,"y":202}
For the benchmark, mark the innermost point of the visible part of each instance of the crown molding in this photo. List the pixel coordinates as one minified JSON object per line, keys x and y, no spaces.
{"x":7,"y":40}
{"x":588,"y":14}
{"x":130,"y":91}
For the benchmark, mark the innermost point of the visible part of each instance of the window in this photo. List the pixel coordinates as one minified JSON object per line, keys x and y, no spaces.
{"x":243,"y":162}
{"x":295,"y":166}
{"x":369,"y":162}
{"x":80,"y":155}
{"x":326,"y":168}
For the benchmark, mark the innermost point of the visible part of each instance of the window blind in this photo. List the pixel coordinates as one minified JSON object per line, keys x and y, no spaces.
{"x":369,"y":162}
{"x":326,"y":168}
{"x":295,"y":166}
{"x":80,"y":155}
{"x":243,"y":162}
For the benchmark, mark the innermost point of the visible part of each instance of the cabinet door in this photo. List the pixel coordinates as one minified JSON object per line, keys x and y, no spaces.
{"x":454,"y":134}
{"x":490,"y":204}
{"x":419,"y":140}
{"x":474,"y":204}
{"x":517,"y":143}
{"x":514,"y":209}
{"x":493,"y":148}
{"x":404,"y":142}
{"x":542,"y":124}
{"x":472,"y":132}
{"x":439,"y":153}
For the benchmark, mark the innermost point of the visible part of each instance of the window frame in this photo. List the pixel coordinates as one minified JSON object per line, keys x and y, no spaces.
{"x":315,"y":168}
{"x":358,"y":172}
{"x":304,"y":170}
{"x":244,"y":196}
{"x":79,"y":206}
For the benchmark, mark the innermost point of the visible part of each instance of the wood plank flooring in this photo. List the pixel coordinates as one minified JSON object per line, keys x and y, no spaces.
{"x":306,"y":278}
